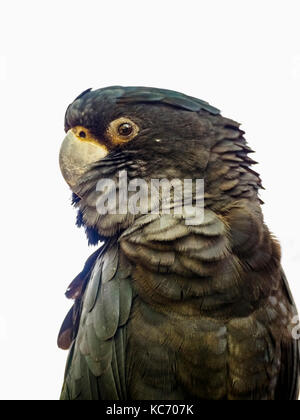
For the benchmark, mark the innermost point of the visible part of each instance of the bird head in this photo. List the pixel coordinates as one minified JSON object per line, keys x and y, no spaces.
{"x":152,"y":134}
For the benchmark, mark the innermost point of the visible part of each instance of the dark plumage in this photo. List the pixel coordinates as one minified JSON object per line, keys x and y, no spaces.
{"x":166,"y":310}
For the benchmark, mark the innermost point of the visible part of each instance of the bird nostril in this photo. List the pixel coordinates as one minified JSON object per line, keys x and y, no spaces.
{"x":82,"y":134}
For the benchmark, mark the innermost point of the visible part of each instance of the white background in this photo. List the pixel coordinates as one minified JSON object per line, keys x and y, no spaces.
{"x":241,"y":56}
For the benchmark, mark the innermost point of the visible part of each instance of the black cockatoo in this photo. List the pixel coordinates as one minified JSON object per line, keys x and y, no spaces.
{"x":165,"y":309}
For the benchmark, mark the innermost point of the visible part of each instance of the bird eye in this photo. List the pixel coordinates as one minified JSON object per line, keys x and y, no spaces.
{"x":122,"y":130}
{"x":82,"y":134}
{"x":125,"y":129}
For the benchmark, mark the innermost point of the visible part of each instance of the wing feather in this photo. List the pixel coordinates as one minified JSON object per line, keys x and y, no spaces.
{"x":97,"y":363}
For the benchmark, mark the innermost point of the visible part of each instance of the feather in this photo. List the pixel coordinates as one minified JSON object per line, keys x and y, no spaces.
{"x":156,"y":258}
{"x":229,"y":185}
{"x":162,"y":224}
{"x":175,"y":232}
{"x":93,"y":288}
{"x":65,"y":335}
{"x":144,"y":95}
{"x":125,"y":301}
{"x":97,"y":357}
{"x":214,"y":229}
{"x":106,"y":312}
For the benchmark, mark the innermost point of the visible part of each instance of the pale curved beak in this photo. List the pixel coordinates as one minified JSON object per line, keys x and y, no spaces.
{"x":76,"y":156}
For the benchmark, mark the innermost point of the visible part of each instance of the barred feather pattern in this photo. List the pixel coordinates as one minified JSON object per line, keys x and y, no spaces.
{"x":212,"y":312}
{"x":177,"y":311}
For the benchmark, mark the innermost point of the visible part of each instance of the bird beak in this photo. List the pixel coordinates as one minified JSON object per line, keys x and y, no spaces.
{"x":77,"y":155}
